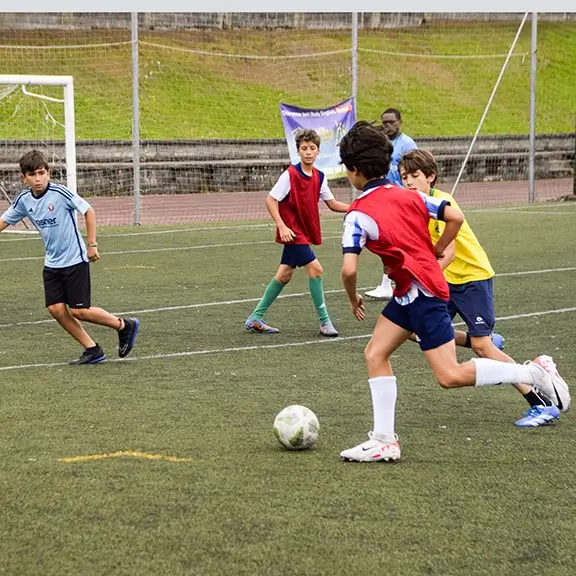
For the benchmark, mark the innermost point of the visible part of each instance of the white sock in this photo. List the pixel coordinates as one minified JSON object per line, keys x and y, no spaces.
{"x":386,"y":282}
{"x":491,"y":372}
{"x":384,"y":392}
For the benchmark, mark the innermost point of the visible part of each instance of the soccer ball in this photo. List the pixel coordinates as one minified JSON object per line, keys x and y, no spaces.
{"x":296,"y":427}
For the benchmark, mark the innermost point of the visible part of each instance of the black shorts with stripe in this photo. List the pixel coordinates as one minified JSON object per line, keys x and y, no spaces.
{"x":69,"y":285}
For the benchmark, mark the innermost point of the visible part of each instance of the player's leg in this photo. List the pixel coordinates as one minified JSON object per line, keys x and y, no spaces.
{"x":255,"y":322}
{"x":432,"y":323}
{"x":392,"y":329}
{"x":463,"y":339}
{"x":55,"y":300}
{"x":78,"y":297}
{"x":383,"y":291}
{"x":475,"y":304}
{"x":314,"y":271}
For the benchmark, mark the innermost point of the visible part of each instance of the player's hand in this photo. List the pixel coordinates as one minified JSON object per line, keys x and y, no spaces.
{"x":439,"y":253}
{"x":93,"y":255}
{"x":286,"y":235}
{"x":357,"y":307}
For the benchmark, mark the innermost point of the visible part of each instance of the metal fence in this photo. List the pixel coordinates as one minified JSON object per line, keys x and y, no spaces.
{"x":178,"y":114}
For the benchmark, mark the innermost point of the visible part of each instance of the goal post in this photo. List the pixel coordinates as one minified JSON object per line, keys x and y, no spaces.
{"x":67,"y":83}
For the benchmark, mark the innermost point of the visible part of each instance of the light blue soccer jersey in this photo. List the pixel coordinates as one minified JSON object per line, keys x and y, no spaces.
{"x":402,"y":144}
{"x":54,"y":216}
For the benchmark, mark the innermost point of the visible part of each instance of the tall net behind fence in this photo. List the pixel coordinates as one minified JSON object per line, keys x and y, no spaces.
{"x":207,"y":84}
{"x":441,"y":76}
{"x":99,"y":60}
{"x":210,"y":86}
{"x":556,"y":80}
{"x":447,"y":75}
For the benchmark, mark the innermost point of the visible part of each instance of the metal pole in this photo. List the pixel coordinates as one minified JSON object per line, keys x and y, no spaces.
{"x":354,"y":66}
{"x":355,"y":58}
{"x":574,"y":163}
{"x":532,"y":147}
{"x":135,"y":119}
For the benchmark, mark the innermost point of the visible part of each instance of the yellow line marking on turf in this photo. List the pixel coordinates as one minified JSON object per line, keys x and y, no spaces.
{"x":143,"y":455}
{"x":130,"y":268}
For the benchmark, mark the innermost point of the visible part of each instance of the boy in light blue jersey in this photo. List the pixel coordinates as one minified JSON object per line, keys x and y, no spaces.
{"x":401,"y":144}
{"x":52,"y":209}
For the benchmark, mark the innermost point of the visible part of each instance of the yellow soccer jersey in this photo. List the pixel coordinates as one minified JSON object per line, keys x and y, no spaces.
{"x":470,"y":262}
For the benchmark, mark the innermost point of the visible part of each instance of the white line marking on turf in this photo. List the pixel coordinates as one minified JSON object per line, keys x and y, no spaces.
{"x":519,"y":209}
{"x":170,"y":249}
{"x":266,"y":346}
{"x":248,"y":300}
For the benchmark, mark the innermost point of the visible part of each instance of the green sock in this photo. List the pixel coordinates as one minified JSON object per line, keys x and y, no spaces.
{"x":270,"y":294}
{"x":317,"y":292}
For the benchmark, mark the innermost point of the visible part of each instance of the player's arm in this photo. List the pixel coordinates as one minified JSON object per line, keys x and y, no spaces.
{"x":453,"y":219}
{"x":358,"y":227}
{"x":336,"y":205}
{"x":92,"y":245}
{"x":12,"y":216}
{"x":280,"y":191}
{"x":449,"y":255}
{"x":349,"y":280}
{"x":286,"y":234}
{"x":330,"y":201}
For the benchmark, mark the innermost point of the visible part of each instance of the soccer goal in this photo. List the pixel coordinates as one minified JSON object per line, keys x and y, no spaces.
{"x":36,"y":112}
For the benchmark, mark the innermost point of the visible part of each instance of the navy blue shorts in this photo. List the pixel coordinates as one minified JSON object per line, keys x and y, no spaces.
{"x":296,"y":255}
{"x":427,"y":317}
{"x":474,"y":302}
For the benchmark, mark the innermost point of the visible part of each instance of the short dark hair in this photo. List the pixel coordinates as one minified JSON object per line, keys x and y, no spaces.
{"x":394,"y":111}
{"x":422,"y":160}
{"x":307,"y":136}
{"x":367,"y":149}
{"x":32,"y":161}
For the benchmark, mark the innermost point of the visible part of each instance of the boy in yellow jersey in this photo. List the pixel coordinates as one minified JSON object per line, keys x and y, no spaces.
{"x":469,"y":274}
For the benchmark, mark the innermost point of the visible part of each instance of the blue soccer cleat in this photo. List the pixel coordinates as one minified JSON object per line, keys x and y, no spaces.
{"x":127,"y":336}
{"x":538,"y":416}
{"x":498,"y":340}
{"x":259,"y":326}
{"x":93,"y":355}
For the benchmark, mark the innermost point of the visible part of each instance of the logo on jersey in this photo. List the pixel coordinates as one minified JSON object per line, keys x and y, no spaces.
{"x":46,"y":223}
{"x":30,"y":210}
{"x":51,"y":207}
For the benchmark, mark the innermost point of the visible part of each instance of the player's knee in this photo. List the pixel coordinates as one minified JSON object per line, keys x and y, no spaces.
{"x":315,"y":269}
{"x":79,"y":313}
{"x":448,"y":380}
{"x":284,"y":276}
{"x":373,"y":356}
{"x":56,"y":310}
{"x":482,"y":347}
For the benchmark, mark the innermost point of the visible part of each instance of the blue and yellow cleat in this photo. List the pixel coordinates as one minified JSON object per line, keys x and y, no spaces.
{"x":498,"y":340}
{"x":538,"y":416}
{"x":259,"y":326}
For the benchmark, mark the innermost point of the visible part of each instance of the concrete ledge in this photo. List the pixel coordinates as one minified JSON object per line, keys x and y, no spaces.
{"x":104,"y":168}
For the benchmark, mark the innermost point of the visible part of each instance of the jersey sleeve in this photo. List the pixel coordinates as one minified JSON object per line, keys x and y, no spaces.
{"x":76,"y":202}
{"x":358,"y":228}
{"x":14,"y":214}
{"x":282,"y":187}
{"x":435,"y":206}
{"x":325,"y":192}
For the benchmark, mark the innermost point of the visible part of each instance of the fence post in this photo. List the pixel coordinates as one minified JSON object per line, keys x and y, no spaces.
{"x":135,"y":119}
{"x":532,"y":146}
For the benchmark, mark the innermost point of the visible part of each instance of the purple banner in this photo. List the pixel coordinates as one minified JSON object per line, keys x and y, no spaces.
{"x":330,"y":123}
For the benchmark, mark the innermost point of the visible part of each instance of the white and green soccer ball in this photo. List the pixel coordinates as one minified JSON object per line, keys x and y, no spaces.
{"x":296,"y":427}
